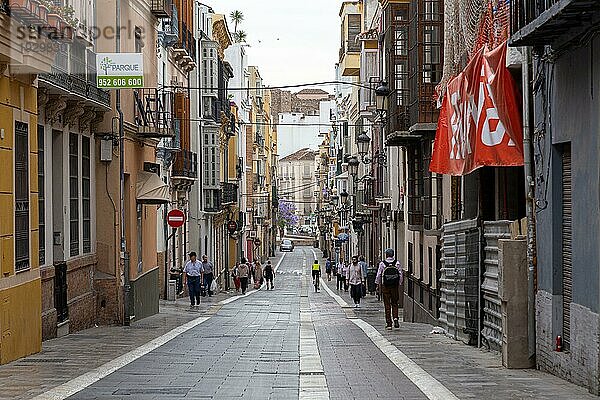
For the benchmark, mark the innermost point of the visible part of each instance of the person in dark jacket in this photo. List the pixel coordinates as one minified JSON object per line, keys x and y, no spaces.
{"x":268,"y":274}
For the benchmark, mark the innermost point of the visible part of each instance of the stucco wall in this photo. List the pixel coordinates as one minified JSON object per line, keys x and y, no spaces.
{"x":574,"y":107}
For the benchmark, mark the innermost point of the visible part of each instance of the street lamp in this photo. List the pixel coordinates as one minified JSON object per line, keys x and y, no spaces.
{"x":345,"y":198}
{"x":363,"y":141}
{"x":382,"y":95}
{"x":334,"y":199}
{"x":353,"y":164}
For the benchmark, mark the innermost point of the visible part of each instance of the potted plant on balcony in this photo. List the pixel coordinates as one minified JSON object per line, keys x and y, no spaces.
{"x":43,"y":12}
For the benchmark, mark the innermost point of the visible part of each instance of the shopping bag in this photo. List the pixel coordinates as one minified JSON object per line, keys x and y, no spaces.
{"x":213,"y":286}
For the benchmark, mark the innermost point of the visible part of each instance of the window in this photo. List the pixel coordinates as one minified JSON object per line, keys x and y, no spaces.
{"x":86,"y":193}
{"x":41,"y":196}
{"x":74,"y":194}
{"x":432,"y":192}
{"x":456,"y":193}
{"x":410,"y":270}
{"x":21,"y":196}
{"x":415,"y":186}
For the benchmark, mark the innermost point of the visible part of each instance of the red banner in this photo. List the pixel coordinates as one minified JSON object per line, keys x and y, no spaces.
{"x":480,"y":120}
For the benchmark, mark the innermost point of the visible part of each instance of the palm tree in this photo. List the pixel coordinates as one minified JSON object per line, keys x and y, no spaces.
{"x":237,"y":17}
{"x":240,"y":36}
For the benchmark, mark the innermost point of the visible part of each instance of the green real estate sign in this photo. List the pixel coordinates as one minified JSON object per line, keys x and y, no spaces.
{"x":119,"y":70}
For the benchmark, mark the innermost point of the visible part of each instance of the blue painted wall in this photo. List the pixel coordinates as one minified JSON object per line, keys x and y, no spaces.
{"x":573,"y":102}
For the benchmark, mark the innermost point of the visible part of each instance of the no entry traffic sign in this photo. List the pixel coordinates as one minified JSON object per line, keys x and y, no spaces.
{"x":175,"y":218}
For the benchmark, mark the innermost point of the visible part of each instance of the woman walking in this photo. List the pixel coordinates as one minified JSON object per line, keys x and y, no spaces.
{"x":244,"y":273}
{"x":236,"y":277}
{"x":268,"y":273}
{"x":356,"y":279}
{"x":258,"y":275}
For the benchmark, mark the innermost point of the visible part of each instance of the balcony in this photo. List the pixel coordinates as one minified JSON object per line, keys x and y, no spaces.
{"x":548,"y":22}
{"x":185,"y":50}
{"x":161,"y":8}
{"x":76,"y":78}
{"x":212,"y":200}
{"x":185,"y":165}
{"x":350,"y":59}
{"x":154,"y":112}
{"x":230,"y":193}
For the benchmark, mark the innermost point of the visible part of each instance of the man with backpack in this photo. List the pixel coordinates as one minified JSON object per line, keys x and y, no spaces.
{"x":389,"y":278}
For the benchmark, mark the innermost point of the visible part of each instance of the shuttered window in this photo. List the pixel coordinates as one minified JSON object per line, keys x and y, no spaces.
{"x":41,"y":196}
{"x":74,"y":194}
{"x":86,"y":169}
{"x":354,"y":28}
{"x":567,"y":236}
{"x":21,"y":196}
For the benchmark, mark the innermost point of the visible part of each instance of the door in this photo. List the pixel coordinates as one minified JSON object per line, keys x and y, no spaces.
{"x":60,"y":293}
{"x":567,"y":236}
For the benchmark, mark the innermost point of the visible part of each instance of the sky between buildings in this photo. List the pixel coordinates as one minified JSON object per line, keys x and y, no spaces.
{"x":292,"y":41}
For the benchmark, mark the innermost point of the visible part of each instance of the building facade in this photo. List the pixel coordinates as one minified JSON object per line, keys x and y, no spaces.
{"x":565,"y":116}
{"x":298,"y":183}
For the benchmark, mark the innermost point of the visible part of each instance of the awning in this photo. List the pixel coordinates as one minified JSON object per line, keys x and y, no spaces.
{"x":150,"y":189}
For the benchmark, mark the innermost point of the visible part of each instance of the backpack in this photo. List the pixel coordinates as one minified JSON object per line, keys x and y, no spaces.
{"x":391,"y":274}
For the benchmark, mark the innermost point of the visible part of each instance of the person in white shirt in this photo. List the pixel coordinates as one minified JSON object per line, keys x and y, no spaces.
{"x":341,"y":276}
{"x":355,"y":279}
{"x":192,"y":276}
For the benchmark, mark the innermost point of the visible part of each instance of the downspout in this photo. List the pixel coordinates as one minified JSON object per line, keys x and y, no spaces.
{"x":529,"y":206}
{"x":126,"y":287}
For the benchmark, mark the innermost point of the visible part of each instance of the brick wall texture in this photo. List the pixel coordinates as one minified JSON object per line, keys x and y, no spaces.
{"x":579,"y":364}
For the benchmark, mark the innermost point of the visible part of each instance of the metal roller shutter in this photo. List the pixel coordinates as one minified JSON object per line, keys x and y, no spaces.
{"x":567,"y":236}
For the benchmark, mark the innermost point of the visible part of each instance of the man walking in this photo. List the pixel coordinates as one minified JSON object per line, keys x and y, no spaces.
{"x":207,"y":273}
{"x":243,"y":273}
{"x":355,"y":279}
{"x":364,"y":268}
{"x":192,"y":272}
{"x":389,"y":278}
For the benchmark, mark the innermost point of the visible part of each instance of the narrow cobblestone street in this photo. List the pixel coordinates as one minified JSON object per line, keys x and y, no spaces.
{"x":282,"y":344}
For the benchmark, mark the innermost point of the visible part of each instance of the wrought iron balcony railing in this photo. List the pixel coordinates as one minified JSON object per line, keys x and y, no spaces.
{"x":230,"y":193}
{"x":185,"y":165}
{"x":212,"y":200}
{"x":542,"y":22}
{"x":154,"y":112}
{"x":161,"y":8}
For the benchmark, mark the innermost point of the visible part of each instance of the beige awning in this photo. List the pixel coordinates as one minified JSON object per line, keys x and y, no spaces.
{"x":150,"y":189}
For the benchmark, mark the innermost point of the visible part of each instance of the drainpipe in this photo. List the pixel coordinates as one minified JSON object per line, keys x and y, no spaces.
{"x":126,"y":287}
{"x":529,"y":187}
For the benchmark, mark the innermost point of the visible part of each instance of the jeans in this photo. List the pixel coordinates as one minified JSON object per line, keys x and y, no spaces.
{"x":193,"y":283}
{"x":208,"y":278}
{"x":356,"y":293}
{"x":391,"y":296}
{"x":244,"y":283}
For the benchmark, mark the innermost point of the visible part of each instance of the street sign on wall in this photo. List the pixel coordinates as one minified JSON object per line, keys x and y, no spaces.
{"x":119,"y":70}
{"x":175,"y":218}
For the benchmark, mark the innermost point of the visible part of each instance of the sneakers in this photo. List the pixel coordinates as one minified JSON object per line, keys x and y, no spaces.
{"x":388,"y":327}
{"x":192,"y":306}
{"x":396,"y":324}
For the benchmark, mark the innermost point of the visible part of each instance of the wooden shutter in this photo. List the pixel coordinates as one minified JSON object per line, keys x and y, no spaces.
{"x":567,"y":236}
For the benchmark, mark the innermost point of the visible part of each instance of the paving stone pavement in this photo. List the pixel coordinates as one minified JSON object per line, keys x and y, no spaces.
{"x":251,"y":349}
{"x":468,"y":372}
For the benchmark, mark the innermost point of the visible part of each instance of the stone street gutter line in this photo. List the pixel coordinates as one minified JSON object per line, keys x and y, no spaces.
{"x":313,"y":384}
{"x":426,"y":383}
{"x":83,"y":381}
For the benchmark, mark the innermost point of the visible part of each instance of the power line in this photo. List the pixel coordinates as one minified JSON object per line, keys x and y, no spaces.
{"x":299,"y":85}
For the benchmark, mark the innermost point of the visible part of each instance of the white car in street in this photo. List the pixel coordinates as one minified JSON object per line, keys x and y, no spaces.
{"x":286,"y":245}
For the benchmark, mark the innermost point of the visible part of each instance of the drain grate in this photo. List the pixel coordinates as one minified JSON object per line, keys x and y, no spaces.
{"x":43,"y":360}
{"x":151,"y":391}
